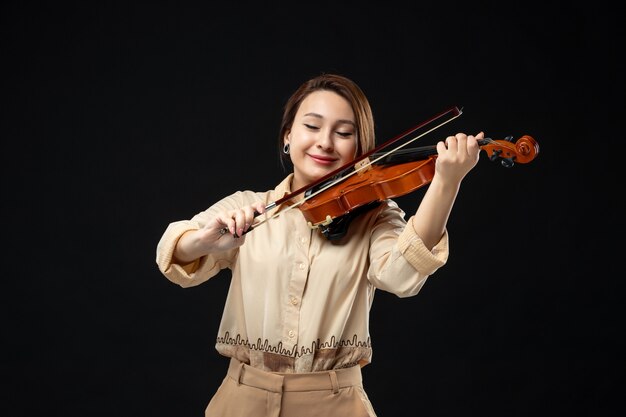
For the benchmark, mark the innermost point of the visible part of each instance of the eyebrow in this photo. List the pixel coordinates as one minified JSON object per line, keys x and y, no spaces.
{"x":319,"y":116}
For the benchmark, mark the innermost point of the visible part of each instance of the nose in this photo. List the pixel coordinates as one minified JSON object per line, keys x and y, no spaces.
{"x":325,"y":141}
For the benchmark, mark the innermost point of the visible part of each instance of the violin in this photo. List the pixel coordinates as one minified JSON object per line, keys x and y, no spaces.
{"x":392,"y":176}
{"x":331,"y":202}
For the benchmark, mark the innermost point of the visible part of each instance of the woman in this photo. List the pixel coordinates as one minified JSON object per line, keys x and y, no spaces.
{"x":296,"y":320}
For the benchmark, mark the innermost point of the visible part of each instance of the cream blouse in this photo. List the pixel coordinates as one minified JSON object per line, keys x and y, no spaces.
{"x":297,"y":301}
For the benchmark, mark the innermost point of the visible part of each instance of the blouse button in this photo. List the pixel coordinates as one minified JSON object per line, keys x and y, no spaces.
{"x":291,"y":333}
{"x":294,"y":300}
{"x":301,"y":265}
{"x":303,"y":240}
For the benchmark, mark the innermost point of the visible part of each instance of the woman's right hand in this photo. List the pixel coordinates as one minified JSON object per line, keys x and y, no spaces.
{"x":223,"y":232}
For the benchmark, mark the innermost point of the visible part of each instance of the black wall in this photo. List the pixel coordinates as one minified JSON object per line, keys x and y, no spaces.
{"x":121,"y":119}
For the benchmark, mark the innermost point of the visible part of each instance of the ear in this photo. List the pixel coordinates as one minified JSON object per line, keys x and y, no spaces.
{"x":287,"y":137}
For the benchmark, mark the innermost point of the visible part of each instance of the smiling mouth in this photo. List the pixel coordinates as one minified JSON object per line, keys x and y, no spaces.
{"x":322,"y":159}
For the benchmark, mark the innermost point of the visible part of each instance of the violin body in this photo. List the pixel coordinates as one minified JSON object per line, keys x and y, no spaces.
{"x":374,"y":184}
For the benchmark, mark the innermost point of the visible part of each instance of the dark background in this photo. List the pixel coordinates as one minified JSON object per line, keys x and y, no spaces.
{"x":119,"y":119}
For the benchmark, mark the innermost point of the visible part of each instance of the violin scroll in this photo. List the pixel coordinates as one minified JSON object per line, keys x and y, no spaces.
{"x":522,"y":151}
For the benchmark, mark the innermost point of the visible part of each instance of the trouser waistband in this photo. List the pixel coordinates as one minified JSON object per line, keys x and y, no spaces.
{"x":281,"y":382}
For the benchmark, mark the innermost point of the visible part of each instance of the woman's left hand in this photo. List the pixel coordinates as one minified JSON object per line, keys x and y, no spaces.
{"x":456,"y":156}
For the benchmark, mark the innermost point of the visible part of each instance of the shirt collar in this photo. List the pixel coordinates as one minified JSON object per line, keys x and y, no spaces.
{"x":281,"y":190}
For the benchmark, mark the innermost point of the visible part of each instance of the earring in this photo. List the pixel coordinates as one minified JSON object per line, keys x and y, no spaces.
{"x":286,"y":148}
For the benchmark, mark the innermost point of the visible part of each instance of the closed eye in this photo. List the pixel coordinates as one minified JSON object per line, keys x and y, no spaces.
{"x":342,"y":134}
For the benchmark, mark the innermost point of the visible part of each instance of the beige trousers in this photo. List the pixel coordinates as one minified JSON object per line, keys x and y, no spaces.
{"x":247,"y":391}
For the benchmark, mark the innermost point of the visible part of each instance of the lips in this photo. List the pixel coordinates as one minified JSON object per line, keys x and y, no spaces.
{"x":324,"y":160}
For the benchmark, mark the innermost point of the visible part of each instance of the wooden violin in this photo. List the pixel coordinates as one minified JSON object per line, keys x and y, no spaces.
{"x":331,"y":202}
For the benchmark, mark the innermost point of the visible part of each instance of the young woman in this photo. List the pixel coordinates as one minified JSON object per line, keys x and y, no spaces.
{"x":296,"y":319}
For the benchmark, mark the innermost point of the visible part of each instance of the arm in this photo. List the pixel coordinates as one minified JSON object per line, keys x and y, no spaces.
{"x":456,"y":157}
{"x":194,"y":244}
{"x":192,"y":251}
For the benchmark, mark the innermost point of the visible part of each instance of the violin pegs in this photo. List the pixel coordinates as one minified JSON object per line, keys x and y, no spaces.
{"x":495,"y":155}
{"x":509,"y":139}
{"x":508,"y":162}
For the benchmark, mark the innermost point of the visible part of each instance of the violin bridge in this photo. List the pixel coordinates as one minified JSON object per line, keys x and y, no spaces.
{"x":363,"y":166}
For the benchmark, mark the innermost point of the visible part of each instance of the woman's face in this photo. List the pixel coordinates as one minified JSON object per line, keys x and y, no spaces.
{"x":323,"y":137}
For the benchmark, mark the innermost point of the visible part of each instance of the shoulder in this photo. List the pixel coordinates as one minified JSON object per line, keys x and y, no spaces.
{"x":389,"y":209}
{"x":245,"y":197}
